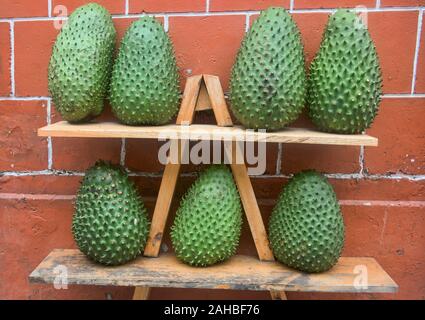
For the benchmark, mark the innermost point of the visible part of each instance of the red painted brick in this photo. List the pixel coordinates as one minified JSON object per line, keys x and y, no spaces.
{"x":326,"y":159}
{"x":30,"y":230}
{"x":80,"y":154}
{"x":142,"y":155}
{"x":113,"y":6}
{"x":5,"y":84}
{"x":390,"y":190}
{"x":420,"y":72}
{"x":405,"y":3}
{"x":401,"y":147}
{"x":311,"y":26}
{"x":21,"y":148}
{"x":210,"y":48}
{"x":33,"y":47}
{"x":394,"y":34}
{"x":138,"y":6}
{"x":240,"y":5}
{"x":267,"y":190}
{"x":41,"y":184}
{"x":314,"y":4}
{"x":23,"y":8}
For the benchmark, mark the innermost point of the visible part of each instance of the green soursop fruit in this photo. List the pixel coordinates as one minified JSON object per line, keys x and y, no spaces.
{"x":110,"y":223}
{"x":145,"y":79}
{"x":208,"y":222}
{"x":81,"y":63}
{"x":268,"y":82}
{"x":345,"y":77}
{"x":306,"y":228}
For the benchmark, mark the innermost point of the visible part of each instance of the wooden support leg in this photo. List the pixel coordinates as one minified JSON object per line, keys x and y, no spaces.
{"x":162,"y":208}
{"x":252,"y":211}
{"x":159,"y":219}
{"x":141,"y":293}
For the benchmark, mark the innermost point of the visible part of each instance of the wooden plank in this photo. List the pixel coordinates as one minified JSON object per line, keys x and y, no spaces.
{"x":162,"y":208}
{"x":141,"y":293}
{"x":199,"y":131}
{"x":239,"y":273}
{"x":190,"y":97}
{"x":218,"y":103}
{"x":203,"y":102}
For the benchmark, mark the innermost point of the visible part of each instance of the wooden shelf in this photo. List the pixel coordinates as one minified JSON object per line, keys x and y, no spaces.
{"x":239,"y":273}
{"x":202,"y":132}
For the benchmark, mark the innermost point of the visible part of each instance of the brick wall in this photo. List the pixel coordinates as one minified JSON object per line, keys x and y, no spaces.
{"x":382,"y":190}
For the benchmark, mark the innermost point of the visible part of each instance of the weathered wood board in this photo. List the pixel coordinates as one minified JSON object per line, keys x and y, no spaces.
{"x":239,"y":273}
{"x":202,"y":132}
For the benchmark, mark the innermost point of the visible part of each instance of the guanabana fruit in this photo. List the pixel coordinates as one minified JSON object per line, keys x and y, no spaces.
{"x":306,"y":228}
{"x":208,"y":222}
{"x":145,"y":79}
{"x":81,"y":63}
{"x":268,"y":81}
{"x":110,"y":223}
{"x":345,"y":77}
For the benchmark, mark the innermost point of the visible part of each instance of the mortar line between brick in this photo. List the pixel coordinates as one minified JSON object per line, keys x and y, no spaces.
{"x":403,"y":96}
{"x":261,"y":201}
{"x":337,"y":176}
{"x":218,"y":13}
{"x":361,"y":160}
{"x":24,"y":98}
{"x":247,"y":18}
{"x":416,"y":56}
{"x":166,"y":23}
{"x":49,"y":8}
{"x":385,"y":96}
{"x":12,"y":58}
{"x":127,"y":7}
{"x":279,"y":158}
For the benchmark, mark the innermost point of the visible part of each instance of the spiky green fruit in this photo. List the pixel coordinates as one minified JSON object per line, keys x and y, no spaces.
{"x":145,"y":79}
{"x":81,"y":63}
{"x":345,"y":77}
{"x":306,"y":228}
{"x":268,"y":81}
{"x":110,"y":223}
{"x":208,"y":222}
